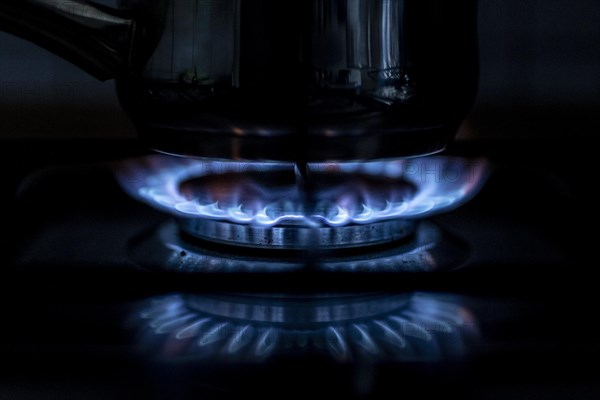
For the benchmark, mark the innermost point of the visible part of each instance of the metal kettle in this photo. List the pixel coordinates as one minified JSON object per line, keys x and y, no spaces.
{"x":310,"y":80}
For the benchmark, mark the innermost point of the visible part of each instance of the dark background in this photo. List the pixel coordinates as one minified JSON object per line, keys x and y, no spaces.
{"x":540,"y":76}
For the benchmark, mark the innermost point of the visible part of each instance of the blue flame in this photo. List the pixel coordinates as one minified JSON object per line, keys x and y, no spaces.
{"x":442,"y":183}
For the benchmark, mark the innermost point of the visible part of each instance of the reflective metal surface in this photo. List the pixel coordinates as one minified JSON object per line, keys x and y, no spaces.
{"x":346,"y":328}
{"x":318,"y":80}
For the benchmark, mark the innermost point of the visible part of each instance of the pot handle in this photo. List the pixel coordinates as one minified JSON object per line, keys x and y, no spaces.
{"x":96,"y":38}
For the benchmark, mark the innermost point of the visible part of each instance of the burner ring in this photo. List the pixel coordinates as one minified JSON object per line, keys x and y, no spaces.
{"x":300,"y":236}
{"x":428,"y":249}
{"x":265,"y":205}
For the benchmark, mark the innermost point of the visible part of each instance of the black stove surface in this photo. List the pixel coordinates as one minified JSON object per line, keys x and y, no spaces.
{"x":88,"y":314}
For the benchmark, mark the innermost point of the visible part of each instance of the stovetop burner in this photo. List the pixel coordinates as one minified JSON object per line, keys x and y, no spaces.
{"x":164,"y":248}
{"x":263,"y":205}
{"x":82,"y":250}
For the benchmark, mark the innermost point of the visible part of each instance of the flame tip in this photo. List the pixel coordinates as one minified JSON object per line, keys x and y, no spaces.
{"x":156,"y":180}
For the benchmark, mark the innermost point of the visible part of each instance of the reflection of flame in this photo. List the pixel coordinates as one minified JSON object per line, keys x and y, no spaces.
{"x":418,"y":327}
{"x":441,"y":183}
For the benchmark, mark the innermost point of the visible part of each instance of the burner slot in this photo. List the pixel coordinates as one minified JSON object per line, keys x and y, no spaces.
{"x":298,"y":236}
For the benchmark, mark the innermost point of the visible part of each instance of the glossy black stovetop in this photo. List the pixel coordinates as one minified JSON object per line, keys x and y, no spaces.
{"x":88,"y":313}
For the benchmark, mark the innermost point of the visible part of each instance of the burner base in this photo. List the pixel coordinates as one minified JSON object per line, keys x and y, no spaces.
{"x":428,"y":248}
{"x":296,"y":237}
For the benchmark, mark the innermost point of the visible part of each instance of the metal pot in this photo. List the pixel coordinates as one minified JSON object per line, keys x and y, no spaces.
{"x":310,"y":80}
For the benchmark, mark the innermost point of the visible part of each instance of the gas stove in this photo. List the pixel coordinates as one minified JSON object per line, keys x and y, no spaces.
{"x":354,"y":217}
{"x":162,"y":277}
